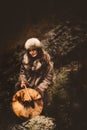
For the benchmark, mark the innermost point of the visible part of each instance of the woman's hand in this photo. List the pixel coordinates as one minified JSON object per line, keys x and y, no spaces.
{"x":23,"y":84}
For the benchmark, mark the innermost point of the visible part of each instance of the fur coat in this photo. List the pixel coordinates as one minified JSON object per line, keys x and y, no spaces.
{"x":37,"y":72}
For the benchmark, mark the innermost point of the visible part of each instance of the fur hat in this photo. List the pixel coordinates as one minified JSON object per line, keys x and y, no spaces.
{"x":32,"y":43}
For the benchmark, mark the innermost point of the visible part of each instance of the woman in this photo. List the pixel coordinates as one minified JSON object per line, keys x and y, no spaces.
{"x":36,"y":69}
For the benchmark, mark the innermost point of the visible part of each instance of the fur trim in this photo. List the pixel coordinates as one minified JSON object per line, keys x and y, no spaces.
{"x":25,"y":59}
{"x":32,"y":42}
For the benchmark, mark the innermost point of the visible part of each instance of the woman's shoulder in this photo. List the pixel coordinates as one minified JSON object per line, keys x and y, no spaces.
{"x":48,"y":59}
{"x":25,"y":59}
{"x":46,"y":55}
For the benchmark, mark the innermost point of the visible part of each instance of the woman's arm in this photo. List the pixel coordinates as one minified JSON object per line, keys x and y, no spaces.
{"x":42,"y":87}
{"x":48,"y":79}
{"x":22,"y":75}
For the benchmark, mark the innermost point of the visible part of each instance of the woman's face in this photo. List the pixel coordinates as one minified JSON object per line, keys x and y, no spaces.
{"x":33,"y":52}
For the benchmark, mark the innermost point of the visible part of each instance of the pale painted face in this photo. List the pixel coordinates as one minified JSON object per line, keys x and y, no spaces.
{"x":33,"y":52}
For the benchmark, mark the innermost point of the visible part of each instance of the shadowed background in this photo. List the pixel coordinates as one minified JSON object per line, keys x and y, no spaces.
{"x":14,"y":15}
